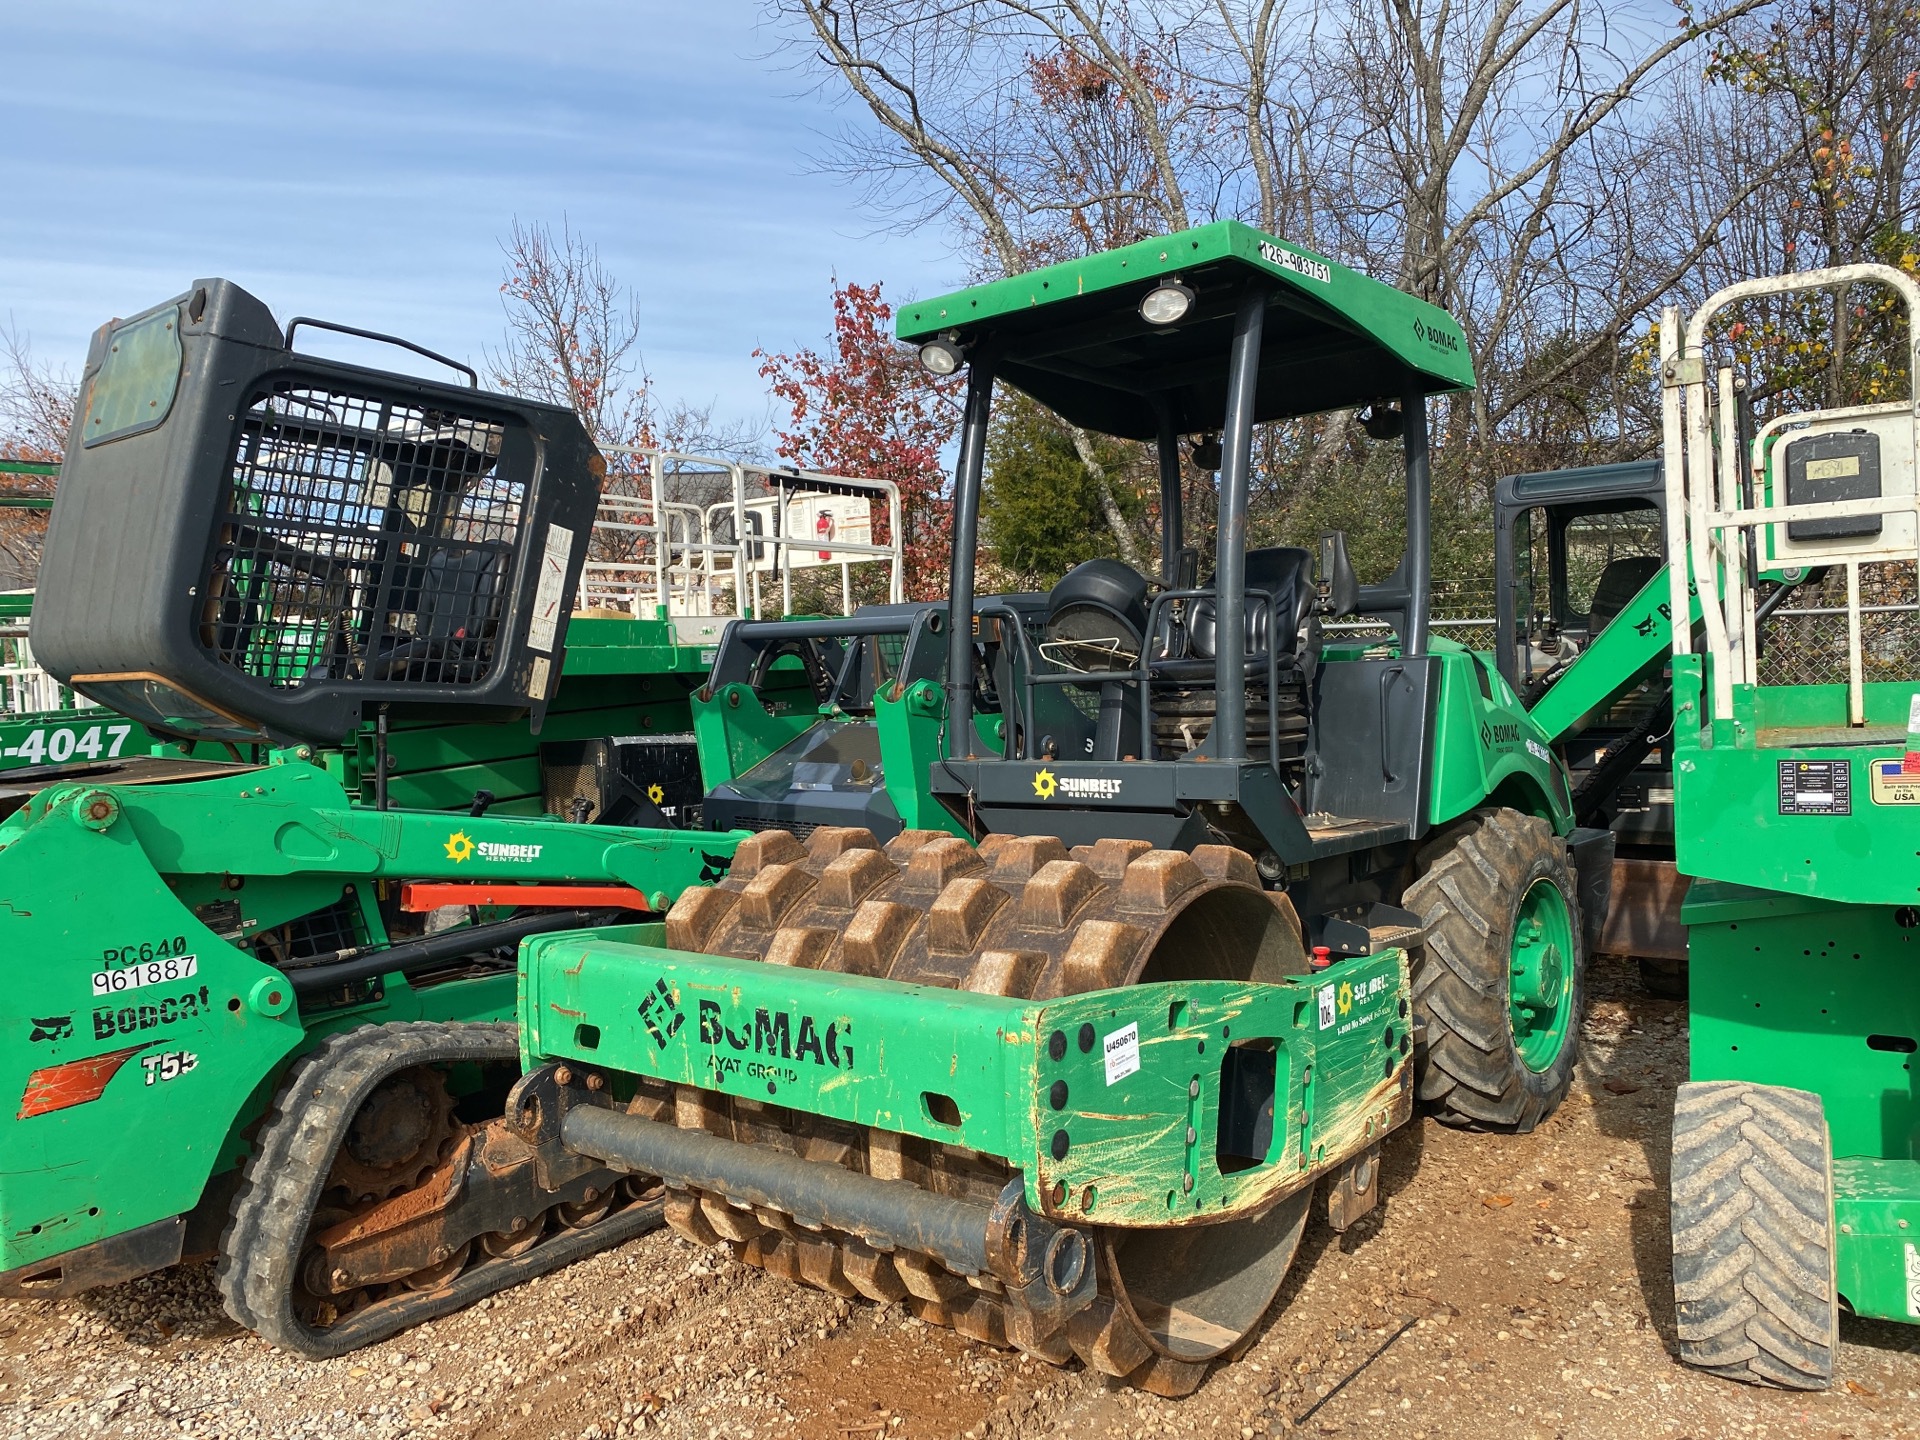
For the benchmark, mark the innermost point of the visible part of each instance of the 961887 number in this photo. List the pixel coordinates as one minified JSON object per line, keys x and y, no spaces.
{"x":145,"y":972}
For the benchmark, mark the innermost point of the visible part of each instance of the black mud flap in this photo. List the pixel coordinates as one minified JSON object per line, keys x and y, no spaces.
{"x":1592,"y":854}
{"x":111,"y":1261}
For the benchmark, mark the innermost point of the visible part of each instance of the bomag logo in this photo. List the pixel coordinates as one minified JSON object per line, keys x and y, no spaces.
{"x":777,"y":1035}
{"x":1503,"y":734}
{"x":1436,"y":337}
{"x":1044,"y":784}
{"x":459,"y":847}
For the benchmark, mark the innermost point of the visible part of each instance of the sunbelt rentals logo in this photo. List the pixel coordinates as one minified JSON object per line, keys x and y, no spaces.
{"x":461,"y":847}
{"x":1046,"y":785}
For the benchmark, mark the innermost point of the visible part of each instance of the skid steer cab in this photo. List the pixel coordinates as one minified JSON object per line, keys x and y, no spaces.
{"x":252,"y":542}
{"x":1583,"y":633}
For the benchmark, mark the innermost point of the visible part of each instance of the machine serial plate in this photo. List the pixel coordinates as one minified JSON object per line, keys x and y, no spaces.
{"x":1816,"y":787}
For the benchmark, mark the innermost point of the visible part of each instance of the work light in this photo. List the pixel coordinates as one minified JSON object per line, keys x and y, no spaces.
{"x":1166,"y":302}
{"x":943,"y":356}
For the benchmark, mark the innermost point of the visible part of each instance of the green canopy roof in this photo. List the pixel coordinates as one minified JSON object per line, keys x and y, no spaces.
{"x":1071,"y":335}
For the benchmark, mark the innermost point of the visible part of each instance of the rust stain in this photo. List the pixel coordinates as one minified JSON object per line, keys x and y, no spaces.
{"x":436,"y":1194}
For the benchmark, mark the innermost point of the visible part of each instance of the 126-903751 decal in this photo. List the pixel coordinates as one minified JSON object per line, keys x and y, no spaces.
{"x":57,"y":744}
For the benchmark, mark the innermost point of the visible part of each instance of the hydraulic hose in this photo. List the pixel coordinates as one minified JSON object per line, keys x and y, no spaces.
{"x":341,"y":967}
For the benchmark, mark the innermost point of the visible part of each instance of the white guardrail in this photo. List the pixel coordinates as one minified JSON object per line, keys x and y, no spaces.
{"x":693,"y":536}
{"x":702,"y":536}
{"x":1860,"y":504}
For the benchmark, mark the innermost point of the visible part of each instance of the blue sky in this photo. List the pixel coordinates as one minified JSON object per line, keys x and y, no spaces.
{"x":360,"y":162}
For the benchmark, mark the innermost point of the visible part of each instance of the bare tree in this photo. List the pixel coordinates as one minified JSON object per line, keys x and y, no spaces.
{"x":573,"y":335}
{"x":1837,"y":90}
{"x":36,"y":409}
{"x":36,"y":401}
{"x":1494,"y":156}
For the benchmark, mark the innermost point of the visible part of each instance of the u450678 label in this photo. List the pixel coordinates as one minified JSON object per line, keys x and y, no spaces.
{"x":145,"y":972}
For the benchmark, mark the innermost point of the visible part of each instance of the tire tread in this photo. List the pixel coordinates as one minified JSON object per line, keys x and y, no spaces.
{"x":1753,"y":1234}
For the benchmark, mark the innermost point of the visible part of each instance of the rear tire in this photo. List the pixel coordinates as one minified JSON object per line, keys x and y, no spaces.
{"x":1499,"y":983}
{"x":1754,"y":1296}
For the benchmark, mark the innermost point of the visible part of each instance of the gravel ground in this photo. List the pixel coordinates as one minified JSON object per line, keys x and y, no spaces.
{"x":1505,"y":1288}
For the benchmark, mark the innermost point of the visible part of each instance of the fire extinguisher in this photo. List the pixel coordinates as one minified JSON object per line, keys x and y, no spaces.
{"x":823,"y":530}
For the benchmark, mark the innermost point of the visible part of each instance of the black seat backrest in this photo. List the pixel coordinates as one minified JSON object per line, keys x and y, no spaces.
{"x":1285,"y":572}
{"x":1619,"y":583}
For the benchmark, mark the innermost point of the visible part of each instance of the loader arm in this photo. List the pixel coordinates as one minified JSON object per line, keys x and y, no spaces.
{"x":1635,"y":647}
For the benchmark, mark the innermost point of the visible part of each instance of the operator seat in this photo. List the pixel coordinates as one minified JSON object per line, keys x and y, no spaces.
{"x":1097,"y":616}
{"x":1283,"y":571}
{"x":1096,"y":623}
{"x":1619,"y":583}
{"x":1185,"y":696}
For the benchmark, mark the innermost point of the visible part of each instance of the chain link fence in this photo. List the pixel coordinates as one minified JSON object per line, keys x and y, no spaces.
{"x":1805,"y":643}
{"x":1461,"y":610}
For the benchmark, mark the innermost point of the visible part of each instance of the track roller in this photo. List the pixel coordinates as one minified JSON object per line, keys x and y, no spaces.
{"x":370,"y":1205}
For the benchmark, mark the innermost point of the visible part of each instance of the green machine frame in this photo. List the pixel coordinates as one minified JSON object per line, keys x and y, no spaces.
{"x":1798,"y":819}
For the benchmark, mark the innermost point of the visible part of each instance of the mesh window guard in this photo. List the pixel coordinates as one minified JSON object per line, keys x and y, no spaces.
{"x":362,"y":539}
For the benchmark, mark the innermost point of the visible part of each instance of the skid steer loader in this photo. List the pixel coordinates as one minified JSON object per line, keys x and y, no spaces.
{"x":1579,"y":632}
{"x":267,"y":989}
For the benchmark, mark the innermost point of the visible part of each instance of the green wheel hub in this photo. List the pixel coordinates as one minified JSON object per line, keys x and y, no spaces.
{"x":1540,"y":975}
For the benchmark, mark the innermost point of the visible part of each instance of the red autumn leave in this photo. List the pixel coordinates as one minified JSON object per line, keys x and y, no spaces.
{"x":866,"y":408}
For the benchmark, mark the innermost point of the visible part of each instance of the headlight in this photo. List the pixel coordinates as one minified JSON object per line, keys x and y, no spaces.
{"x":944,"y":356}
{"x":1166,"y":302}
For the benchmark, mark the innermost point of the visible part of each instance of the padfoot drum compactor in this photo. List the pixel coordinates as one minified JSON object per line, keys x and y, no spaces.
{"x":1239,"y":896}
{"x":254,"y":1012}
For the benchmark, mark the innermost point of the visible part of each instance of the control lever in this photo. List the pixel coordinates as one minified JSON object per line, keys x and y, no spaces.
{"x":1339,"y":586}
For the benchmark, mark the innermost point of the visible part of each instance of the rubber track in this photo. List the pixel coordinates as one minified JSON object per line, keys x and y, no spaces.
{"x":1753,"y":1234}
{"x":1019,"y":916}
{"x":265,"y":1238}
{"x":1470,"y":1075}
